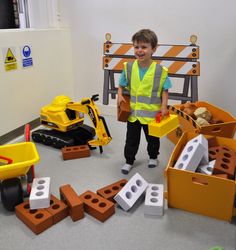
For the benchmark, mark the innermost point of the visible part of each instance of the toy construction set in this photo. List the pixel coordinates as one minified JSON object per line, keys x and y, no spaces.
{"x":200,"y":174}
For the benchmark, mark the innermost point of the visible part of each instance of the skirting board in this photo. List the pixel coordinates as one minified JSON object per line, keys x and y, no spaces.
{"x":18,"y":132}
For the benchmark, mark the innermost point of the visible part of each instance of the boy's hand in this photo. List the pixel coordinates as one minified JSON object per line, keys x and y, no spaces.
{"x":120,"y":99}
{"x":164,"y":110}
{"x":120,"y":96}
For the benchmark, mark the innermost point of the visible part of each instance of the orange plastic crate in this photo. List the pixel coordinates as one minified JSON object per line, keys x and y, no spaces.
{"x":187,"y":124}
{"x":198,"y":193}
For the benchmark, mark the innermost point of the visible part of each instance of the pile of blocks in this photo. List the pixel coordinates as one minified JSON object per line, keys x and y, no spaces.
{"x":201,"y":115}
{"x":196,"y":156}
{"x":43,"y":209}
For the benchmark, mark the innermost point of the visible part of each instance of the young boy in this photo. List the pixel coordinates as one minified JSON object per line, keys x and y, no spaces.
{"x":148,"y":84}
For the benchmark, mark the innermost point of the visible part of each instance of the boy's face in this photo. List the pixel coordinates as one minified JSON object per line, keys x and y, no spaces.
{"x":143,"y":51}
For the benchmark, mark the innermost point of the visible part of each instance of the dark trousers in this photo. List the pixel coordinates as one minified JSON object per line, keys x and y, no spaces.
{"x":133,"y":139}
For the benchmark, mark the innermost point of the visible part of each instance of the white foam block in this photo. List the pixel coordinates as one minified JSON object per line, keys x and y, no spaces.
{"x":130,"y":193}
{"x":40,"y":193}
{"x":207,"y":169}
{"x":154,"y":200}
{"x":204,"y":142}
{"x":191,"y":155}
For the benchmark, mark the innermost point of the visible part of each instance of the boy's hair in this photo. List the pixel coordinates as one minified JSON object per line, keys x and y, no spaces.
{"x":145,"y":36}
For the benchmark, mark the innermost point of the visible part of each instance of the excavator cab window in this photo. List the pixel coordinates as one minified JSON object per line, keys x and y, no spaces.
{"x":71,"y":114}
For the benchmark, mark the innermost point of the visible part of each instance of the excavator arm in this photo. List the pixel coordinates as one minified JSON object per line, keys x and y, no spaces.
{"x":87,"y":106}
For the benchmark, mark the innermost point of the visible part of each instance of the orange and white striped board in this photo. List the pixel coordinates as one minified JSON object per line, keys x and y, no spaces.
{"x":174,"y":67}
{"x":166,"y":51}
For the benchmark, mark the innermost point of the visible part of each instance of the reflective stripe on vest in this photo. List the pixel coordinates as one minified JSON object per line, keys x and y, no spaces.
{"x":145,"y":99}
{"x":144,"y":113}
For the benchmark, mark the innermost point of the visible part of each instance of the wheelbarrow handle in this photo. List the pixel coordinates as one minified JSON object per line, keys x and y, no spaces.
{"x":9,"y":161}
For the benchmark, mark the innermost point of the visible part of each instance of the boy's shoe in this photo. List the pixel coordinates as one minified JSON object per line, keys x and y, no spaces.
{"x":152,"y":163}
{"x":126,"y":168}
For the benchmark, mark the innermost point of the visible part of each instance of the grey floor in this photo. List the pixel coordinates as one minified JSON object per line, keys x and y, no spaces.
{"x":176,"y":230}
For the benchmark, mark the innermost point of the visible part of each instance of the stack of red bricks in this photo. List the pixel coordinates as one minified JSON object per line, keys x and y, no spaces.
{"x":100,"y":205}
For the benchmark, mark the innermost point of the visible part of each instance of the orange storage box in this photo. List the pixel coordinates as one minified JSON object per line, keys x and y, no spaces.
{"x":199,"y":193}
{"x":226,"y":128}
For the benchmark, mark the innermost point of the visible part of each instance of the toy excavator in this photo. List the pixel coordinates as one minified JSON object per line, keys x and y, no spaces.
{"x":65,"y":118}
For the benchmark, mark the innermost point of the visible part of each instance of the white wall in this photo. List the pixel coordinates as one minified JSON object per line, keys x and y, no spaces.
{"x":25,"y":90}
{"x":214,"y":22}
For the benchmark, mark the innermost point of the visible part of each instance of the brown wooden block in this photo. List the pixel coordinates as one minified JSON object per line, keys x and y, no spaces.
{"x":225,"y":162}
{"x":189,"y":109}
{"x":38,"y":220}
{"x":72,"y":200}
{"x":97,"y":206}
{"x":110,"y":191}
{"x":75,"y":152}
{"x":57,"y":209}
{"x":123,"y":110}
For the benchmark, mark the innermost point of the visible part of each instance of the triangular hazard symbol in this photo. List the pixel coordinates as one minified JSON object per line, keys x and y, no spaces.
{"x":10,"y":58}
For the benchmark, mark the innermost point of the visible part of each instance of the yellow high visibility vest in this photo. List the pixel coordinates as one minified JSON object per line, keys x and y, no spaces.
{"x":145,"y":94}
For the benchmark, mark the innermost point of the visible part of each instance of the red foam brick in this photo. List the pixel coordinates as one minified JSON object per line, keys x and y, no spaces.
{"x":211,"y":141}
{"x":38,"y":220}
{"x":123,"y":110}
{"x":57,"y":209}
{"x":110,"y":191}
{"x":75,"y":152}
{"x":225,"y":162}
{"x":72,"y":200}
{"x":213,"y":152}
{"x":221,"y":175}
{"x":97,"y":206}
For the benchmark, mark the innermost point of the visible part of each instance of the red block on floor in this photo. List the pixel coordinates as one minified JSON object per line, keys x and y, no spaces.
{"x":110,"y":191}
{"x":57,"y":209}
{"x":97,"y":206}
{"x":75,"y":152}
{"x":38,"y":220}
{"x":72,"y":200}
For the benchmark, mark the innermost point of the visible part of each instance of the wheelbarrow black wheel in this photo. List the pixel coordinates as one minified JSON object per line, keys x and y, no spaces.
{"x":11,"y":193}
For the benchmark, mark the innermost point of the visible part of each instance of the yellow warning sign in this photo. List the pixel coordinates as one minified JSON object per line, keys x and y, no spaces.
{"x":10,"y":66}
{"x":10,"y":58}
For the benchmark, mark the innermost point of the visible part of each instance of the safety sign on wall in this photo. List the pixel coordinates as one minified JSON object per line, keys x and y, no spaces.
{"x":9,"y":55}
{"x":26,"y":54}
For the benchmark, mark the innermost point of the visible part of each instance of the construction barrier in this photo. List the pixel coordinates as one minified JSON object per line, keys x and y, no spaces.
{"x":181,"y":61}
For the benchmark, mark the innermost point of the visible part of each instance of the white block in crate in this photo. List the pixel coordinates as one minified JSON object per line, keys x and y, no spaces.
{"x":40,"y":193}
{"x":204,"y":142}
{"x":191,"y":155}
{"x":207,"y":169}
{"x":130,"y":193}
{"x":154,"y":200}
